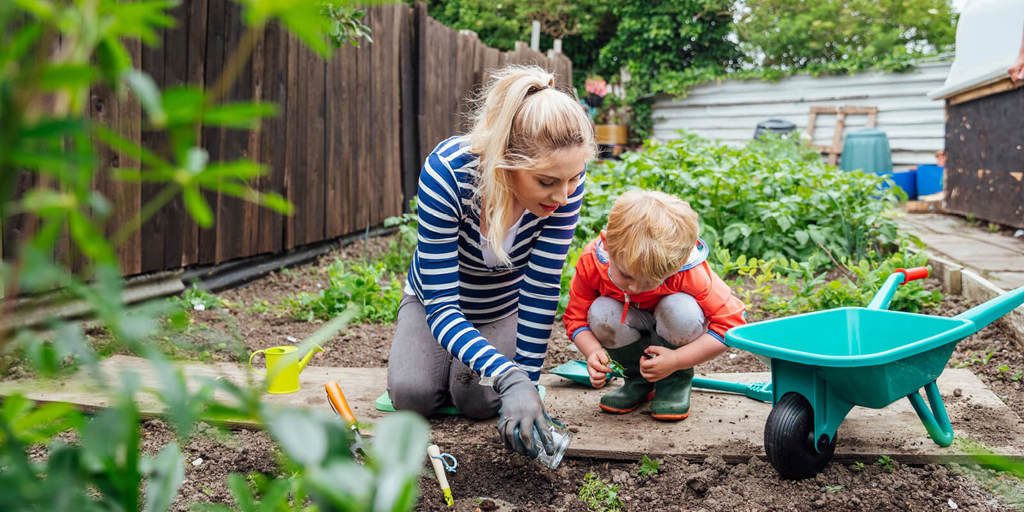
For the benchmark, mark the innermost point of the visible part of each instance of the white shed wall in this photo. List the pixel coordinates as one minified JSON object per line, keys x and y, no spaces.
{"x":730,"y":111}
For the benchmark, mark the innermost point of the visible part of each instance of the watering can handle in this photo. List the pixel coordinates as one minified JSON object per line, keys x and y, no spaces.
{"x":257,"y":372}
{"x":910,"y":274}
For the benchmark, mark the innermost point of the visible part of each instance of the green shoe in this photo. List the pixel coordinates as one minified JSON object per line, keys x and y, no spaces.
{"x":672,"y":396}
{"x":635,"y":390}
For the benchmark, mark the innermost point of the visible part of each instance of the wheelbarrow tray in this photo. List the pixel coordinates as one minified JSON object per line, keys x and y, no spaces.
{"x":869,"y":357}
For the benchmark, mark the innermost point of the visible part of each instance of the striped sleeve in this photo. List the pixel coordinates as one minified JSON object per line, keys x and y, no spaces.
{"x":437,"y":270}
{"x":538,"y":295}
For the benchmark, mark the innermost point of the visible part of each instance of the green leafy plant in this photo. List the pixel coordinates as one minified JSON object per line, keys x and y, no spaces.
{"x":398,"y":256}
{"x":53,"y":55}
{"x":975,"y":359}
{"x":858,"y":466}
{"x":369,"y":287}
{"x":648,"y":466}
{"x":886,"y":463}
{"x":197,"y":299}
{"x":599,"y":495}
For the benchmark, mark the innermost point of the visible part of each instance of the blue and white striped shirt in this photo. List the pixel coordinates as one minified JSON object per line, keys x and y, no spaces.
{"x":457,"y":288}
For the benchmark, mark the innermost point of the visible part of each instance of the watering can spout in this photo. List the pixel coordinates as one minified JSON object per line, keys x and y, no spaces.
{"x":309,"y":355}
{"x":988,"y":312}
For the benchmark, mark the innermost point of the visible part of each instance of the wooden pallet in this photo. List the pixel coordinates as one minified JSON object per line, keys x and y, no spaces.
{"x":833,"y":151}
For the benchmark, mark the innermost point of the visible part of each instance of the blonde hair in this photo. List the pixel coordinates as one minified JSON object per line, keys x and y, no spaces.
{"x":650,"y":234}
{"x":521,"y":118}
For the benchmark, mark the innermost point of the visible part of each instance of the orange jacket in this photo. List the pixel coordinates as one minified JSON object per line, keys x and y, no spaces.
{"x":696,"y":278}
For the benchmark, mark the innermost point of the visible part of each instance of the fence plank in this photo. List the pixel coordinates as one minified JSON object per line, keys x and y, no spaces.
{"x":337,"y":148}
{"x":295,"y":226}
{"x":408,"y":82}
{"x":213,"y":138}
{"x":364,"y":128}
{"x":274,"y":134}
{"x":195,"y":74}
{"x":314,"y":144}
{"x":175,"y":73}
{"x":152,"y":252}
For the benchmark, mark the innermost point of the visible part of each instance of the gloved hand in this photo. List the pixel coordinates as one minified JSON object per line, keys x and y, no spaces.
{"x":521,"y":407}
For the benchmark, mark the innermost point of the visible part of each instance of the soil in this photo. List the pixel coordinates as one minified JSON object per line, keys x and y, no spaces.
{"x":492,"y":478}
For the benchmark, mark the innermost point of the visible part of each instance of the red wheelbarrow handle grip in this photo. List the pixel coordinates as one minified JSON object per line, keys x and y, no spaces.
{"x":910,"y":274}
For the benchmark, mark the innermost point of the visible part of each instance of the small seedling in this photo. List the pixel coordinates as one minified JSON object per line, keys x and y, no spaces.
{"x":833,"y":488}
{"x":886,"y":463}
{"x":258,"y":307}
{"x":617,"y":369}
{"x":979,"y":360}
{"x":993,"y":227}
{"x":648,"y":466}
{"x":599,"y":495}
{"x":858,"y":466}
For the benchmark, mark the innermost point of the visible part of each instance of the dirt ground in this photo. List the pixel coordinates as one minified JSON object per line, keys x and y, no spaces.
{"x":491,"y":478}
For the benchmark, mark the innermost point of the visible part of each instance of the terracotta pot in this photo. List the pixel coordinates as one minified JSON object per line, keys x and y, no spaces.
{"x":611,"y":134}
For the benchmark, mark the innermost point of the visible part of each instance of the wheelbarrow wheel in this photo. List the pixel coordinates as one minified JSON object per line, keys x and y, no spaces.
{"x":789,"y":439}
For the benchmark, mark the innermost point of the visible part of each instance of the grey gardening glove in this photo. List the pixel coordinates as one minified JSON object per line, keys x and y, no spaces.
{"x":521,"y":407}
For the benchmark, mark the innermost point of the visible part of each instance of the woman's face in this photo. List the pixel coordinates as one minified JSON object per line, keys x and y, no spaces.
{"x":543,"y":190}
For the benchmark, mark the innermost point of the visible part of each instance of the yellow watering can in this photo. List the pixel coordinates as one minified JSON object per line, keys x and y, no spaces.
{"x":282,"y":371}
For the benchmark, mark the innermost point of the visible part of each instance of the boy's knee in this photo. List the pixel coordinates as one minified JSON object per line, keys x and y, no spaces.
{"x":605,"y":321}
{"x":679,"y":319}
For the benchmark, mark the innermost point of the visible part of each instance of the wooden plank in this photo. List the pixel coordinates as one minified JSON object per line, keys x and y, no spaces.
{"x":364,"y":128}
{"x":379,"y":159}
{"x":232,"y":231}
{"x":392,"y":199}
{"x":337,"y":149}
{"x":1002,"y":85}
{"x":274,"y":135}
{"x":213,"y":138}
{"x":128,"y":195}
{"x":176,"y":73}
{"x":254,"y":140}
{"x":409,"y":65}
{"x":313,"y":142}
{"x":730,"y":426}
{"x":837,"y":138}
{"x":196,"y":75}
{"x":152,"y":252}
{"x":295,"y":225}
{"x":350,"y":136}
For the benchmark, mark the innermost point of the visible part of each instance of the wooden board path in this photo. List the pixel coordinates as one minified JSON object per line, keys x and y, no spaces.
{"x":722,"y":424}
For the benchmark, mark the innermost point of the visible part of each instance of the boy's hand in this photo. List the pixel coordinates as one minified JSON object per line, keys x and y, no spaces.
{"x":597,"y":367}
{"x":659,"y":363}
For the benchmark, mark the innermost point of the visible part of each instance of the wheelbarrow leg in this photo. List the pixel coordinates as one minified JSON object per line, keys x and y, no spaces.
{"x":935,"y":420}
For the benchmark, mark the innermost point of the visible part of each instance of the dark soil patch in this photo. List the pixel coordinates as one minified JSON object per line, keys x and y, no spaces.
{"x":491,"y":478}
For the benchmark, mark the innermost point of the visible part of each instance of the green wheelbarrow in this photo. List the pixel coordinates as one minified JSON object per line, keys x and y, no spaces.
{"x":826,"y":362}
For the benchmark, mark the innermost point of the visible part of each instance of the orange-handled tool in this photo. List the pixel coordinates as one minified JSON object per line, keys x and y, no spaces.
{"x":340,"y":405}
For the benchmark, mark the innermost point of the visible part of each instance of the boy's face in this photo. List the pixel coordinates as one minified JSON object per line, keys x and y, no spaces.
{"x":631,"y":283}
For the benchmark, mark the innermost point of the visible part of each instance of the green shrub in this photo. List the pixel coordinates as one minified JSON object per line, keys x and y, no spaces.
{"x":766,"y":200}
{"x":397,"y":258}
{"x":368,"y":286}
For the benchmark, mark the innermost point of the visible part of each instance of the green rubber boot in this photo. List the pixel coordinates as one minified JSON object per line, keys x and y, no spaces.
{"x":672,"y":394}
{"x":635,"y":390}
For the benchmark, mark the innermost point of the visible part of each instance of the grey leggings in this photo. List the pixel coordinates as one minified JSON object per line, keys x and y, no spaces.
{"x":677,"y":318}
{"x":423,"y":376}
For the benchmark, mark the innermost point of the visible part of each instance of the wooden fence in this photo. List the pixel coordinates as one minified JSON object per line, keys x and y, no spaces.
{"x":345,"y":149}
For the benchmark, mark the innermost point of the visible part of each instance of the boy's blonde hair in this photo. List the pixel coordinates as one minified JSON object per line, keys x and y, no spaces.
{"x":521,"y":118}
{"x":650,"y":234}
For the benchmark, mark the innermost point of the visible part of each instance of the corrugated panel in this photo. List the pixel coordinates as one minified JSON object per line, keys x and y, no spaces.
{"x":731,"y":110}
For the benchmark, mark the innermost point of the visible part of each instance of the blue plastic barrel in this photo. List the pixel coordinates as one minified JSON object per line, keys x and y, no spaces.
{"x":929,"y":179}
{"x":906,"y":180}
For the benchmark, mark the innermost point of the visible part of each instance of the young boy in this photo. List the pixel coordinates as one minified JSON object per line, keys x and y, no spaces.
{"x":644,"y":295}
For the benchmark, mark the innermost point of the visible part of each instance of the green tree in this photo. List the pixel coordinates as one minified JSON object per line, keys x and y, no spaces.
{"x":845,"y":35}
{"x":498,"y":24}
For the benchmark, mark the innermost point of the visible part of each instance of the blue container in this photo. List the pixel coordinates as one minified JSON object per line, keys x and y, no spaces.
{"x":929,"y":179}
{"x":907,"y":180}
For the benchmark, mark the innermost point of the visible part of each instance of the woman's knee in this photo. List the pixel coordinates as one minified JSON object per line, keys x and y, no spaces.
{"x":679,"y":319}
{"x":411,"y":395}
{"x":605,"y":321}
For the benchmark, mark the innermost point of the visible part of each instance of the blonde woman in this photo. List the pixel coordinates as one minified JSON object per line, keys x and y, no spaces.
{"x":497,"y":211}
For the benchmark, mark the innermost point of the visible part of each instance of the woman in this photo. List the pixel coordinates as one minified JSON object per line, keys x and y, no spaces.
{"x":497,"y":211}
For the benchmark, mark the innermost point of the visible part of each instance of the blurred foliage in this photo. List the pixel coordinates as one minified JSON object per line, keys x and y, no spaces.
{"x":52,"y":54}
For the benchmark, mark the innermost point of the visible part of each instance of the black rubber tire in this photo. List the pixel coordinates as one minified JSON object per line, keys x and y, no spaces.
{"x":788,"y":439}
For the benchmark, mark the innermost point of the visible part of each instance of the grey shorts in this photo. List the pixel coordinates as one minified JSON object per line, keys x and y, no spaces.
{"x":423,"y":376}
{"x":678,"y":319}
